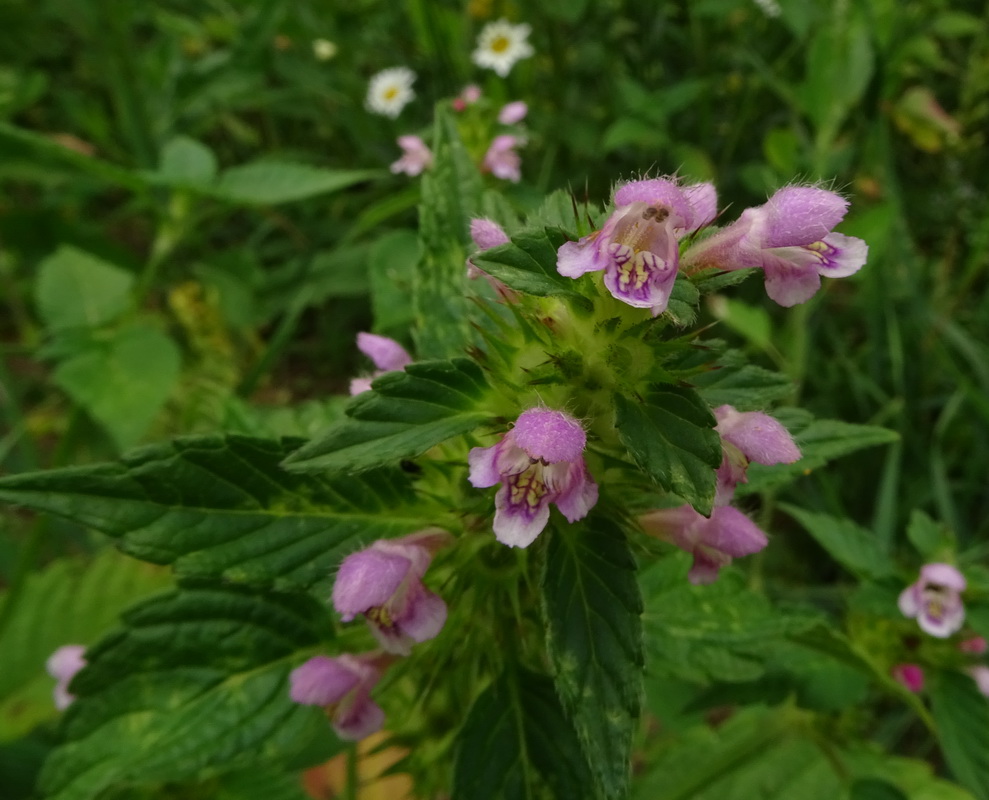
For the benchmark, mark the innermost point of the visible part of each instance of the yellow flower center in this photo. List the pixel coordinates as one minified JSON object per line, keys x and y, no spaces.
{"x":391,"y":93}
{"x":500,"y":44}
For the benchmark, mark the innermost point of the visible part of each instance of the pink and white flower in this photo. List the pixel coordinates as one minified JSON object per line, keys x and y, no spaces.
{"x":713,"y":541}
{"x":63,"y":665}
{"x":976,"y":645}
{"x":501,"y":160}
{"x":538,"y":462}
{"x":416,"y":156}
{"x":910,"y":676}
{"x":790,"y":239}
{"x":935,"y":600}
{"x":512,"y":113}
{"x":342,"y":685}
{"x":748,"y":436}
{"x":639,"y":246}
{"x":386,"y":354}
{"x":384,"y":583}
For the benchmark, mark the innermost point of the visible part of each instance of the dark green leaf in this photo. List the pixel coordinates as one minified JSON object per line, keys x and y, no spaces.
{"x":196,"y":681}
{"x":406,"y":413}
{"x":854,"y":547}
{"x":683,"y":302}
{"x":875,"y":789}
{"x":671,"y":437}
{"x":961,"y":714}
{"x":591,"y":608}
{"x":748,"y":388}
{"x":222,"y":507}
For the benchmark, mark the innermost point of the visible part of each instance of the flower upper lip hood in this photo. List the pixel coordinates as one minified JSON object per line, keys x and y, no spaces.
{"x":549,"y":436}
{"x":638,"y":248}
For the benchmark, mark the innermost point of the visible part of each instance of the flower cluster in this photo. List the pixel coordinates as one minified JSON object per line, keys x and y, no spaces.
{"x":383,"y":583}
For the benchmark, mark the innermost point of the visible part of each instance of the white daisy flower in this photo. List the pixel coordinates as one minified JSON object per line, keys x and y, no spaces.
{"x":769,"y":7}
{"x":501,"y":45}
{"x":390,"y":91}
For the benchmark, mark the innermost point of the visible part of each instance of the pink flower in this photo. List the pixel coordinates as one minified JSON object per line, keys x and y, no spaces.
{"x":387,"y":355}
{"x":501,"y":160}
{"x":935,"y":600}
{"x":384,"y":582}
{"x":63,"y":665}
{"x":415,"y":157}
{"x":638,"y":248}
{"x":748,"y":436}
{"x":513,"y":112}
{"x":343,"y":686}
{"x":713,"y":541}
{"x":910,"y":676}
{"x":789,"y":237}
{"x":540,"y":461}
{"x":976,"y":645}
{"x":471,"y":93}
{"x":486,"y":234}
{"x":980,"y":675}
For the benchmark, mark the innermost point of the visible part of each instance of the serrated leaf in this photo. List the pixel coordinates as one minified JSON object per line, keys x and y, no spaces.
{"x":221,"y":507}
{"x":961,"y":714}
{"x":683,"y":302}
{"x":820,"y":442}
{"x":671,"y":437}
{"x":196,"y":681}
{"x":67,"y":603}
{"x":75,"y":289}
{"x":273,"y":182}
{"x":748,"y":388}
{"x":404,"y":415}
{"x":123,"y":382}
{"x":515,"y":730}
{"x":591,"y":605}
{"x":528,"y":264}
{"x":854,"y":547}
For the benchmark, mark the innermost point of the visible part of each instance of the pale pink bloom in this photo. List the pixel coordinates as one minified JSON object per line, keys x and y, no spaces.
{"x":63,"y":665}
{"x":471,"y":93}
{"x":486,"y":234}
{"x":502,"y":161}
{"x":975,"y":646}
{"x":512,"y":113}
{"x":386,"y":354}
{"x":343,"y":686}
{"x":538,"y":462}
{"x":384,"y":583}
{"x":935,"y":600}
{"x":639,"y":246}
{"x":980,"y":674}
{"x":748,"y":436}
{"x":415,"y":157}
{"x":790,"y":239}
{"x":910,"y":676}
{"x":713,"y":541}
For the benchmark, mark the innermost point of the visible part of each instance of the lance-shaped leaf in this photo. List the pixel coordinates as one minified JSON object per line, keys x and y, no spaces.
{"x":221,"y":507}
{"x":196,"y":682}
{"x":962,"y":718}
{"x":671,"y":437}
{"x":858,"y":550}
{"x":516,"y":739}
{"x":591,"y":605}
{"x":406,"y":413}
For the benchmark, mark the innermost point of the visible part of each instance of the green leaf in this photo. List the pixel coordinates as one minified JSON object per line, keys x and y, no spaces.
{"x":392,"y":266}
{"x":515,"y":730}
{"x":221,"y":507}
{"x":671,"y":437}
{"x":928,"y":537}
{"x":528,"y":264}
{"x":272,"y":182}
{"x":406,"y":413}
{"x":752,"y":322}
{"x":875,"y":789}
{"x":820,"y":442}
{"x":123,"y":382}
{"x":854,"y":547}
{"x":196,"y":681}
{"x":591,"y":605}
{"x":915,"y":779}
{"x":961,"y":714}
{"x":67,"y":603}
{"x":748,"y":388}
{"x":683,"y":302}
{"x":185,"y":161}
{"x":75,"y":289}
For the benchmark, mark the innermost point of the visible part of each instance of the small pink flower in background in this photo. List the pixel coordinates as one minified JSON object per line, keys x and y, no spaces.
{"x":384,"y":582}
{"x":910,"y":676}
{"x":935,"y":600}
{"x":486,"y":234}
{"x":713,"y":541}
{"x":512,"y":113}
{"x":976,"y":645}
{"x":790,"y":239}
{"x":980,"y":675}
{"x":386,"y":354}
{"x":343,"y":686}
{"x":748,"y":436}
{"x":538,"y":462}
{"x":471,"y":93}
{"x":502,"y":161}
{"x":415,"y":158}
{"x":63,"y":665}
{"x":638,"y":248}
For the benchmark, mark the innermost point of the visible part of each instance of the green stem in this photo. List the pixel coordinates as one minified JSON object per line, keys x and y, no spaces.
{"x":352,"y":789}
